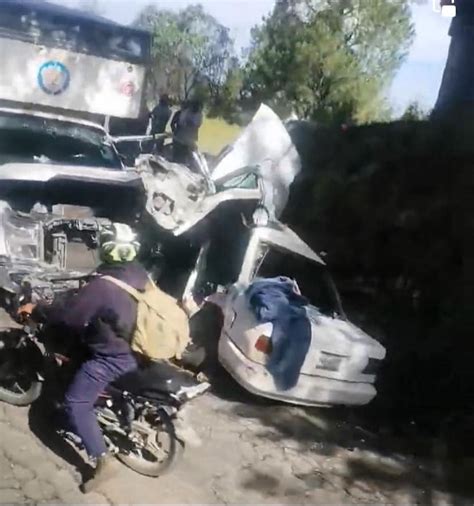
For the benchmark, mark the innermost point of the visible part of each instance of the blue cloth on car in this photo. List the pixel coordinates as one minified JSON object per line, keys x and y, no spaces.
{"x":275,"y":300}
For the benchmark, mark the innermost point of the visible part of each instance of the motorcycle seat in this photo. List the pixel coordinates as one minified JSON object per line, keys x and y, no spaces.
{"x":155,"y":379}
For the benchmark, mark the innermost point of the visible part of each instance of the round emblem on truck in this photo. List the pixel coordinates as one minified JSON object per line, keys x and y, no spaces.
{"x":53,"y":77}
{"x":127,"y":88}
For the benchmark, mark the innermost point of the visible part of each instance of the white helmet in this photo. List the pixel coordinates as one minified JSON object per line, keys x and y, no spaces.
{"x":118,"y":243}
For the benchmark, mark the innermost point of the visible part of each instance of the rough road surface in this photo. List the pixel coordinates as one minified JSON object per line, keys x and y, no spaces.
{"x":252,"y":452}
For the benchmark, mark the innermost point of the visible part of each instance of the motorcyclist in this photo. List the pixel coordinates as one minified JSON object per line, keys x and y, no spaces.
{"x":104,"y":316}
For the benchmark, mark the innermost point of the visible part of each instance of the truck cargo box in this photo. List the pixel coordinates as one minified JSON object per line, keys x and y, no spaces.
{"x":66,"y":59}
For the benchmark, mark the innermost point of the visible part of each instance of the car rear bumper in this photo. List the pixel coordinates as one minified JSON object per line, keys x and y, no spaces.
{"x":309,"y":391}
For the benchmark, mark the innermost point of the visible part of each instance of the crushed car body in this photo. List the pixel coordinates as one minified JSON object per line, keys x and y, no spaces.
{"x":340,"y":364}
{"x":178,"y":198}
{"x":69,"y":180}
{"x":264,"y":144}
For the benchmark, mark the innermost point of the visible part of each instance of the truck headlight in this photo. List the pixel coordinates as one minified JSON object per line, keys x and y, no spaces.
{"x":22,"y":237}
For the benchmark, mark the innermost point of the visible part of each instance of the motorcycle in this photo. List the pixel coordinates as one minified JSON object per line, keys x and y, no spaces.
{"x":142,"y":415}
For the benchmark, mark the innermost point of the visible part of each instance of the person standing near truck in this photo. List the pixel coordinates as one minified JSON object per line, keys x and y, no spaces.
{"x":186,"y":131}
{"x":176,"y":116}
{"x":160,"y":115}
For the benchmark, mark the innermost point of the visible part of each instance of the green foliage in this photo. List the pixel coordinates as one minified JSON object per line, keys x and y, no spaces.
{"x":331,"y":60}
{"x":415,"y":112}
{"x":191,"y":51}
{"x":225,"y":102}
{"x":391,"y":204}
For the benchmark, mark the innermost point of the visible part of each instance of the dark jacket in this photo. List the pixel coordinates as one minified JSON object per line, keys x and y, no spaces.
{"x":175,"y":121}
{"x":160,"y":116}
{"x":275,"y":300}
{"x":101,"y":313}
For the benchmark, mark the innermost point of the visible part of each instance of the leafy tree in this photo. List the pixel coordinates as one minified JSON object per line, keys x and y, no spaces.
{"x":415,"y":112}
{"x":191,"y":50}
{"x":226,"y":99}
{"x":330,"y":60}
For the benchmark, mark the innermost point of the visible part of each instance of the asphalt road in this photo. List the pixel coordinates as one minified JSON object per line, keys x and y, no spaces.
{"x":252,"y":452}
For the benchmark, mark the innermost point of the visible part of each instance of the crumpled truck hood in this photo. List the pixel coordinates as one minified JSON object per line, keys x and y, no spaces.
{"x":178,"y":198}
{"x":175,"y":198}
{"x":44,"y":172}
{"x":107,"y":190}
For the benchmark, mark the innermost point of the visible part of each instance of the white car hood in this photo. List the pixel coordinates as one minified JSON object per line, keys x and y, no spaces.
{"x":265,"y":143}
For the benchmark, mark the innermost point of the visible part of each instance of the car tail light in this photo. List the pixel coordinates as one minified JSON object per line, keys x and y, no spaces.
{"x":264,"y":345}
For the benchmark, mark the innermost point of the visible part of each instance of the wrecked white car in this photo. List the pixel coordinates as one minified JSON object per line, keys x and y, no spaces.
{"x":341,"y":363}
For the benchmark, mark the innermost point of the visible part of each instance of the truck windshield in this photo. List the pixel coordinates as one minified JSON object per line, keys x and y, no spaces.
{"x":31,"y":139}
{"x":312,"y":278}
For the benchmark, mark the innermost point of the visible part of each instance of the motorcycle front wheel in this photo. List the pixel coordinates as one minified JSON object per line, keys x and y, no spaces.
{"x":155,"y":450}
{"x":19,"y":383}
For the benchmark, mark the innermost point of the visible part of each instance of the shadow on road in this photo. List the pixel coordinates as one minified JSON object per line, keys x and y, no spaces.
{"x":409,"y":462}
{"x":43,"y":422}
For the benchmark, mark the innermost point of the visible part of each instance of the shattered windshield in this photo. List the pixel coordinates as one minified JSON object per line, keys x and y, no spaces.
{"x":30,"y":139}
{"x":312,"y":278}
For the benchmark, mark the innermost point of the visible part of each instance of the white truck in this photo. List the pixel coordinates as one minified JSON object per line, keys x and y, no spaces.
{"x":69,"y":60}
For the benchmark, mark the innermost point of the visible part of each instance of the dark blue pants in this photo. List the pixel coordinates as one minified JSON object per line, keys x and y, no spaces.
{"x":89,"y":382}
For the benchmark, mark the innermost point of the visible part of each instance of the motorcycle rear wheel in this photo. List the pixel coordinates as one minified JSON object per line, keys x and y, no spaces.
{"x":160,"y":450}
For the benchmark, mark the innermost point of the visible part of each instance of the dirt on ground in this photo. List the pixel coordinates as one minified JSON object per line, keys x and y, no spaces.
{"x":252,"y":451}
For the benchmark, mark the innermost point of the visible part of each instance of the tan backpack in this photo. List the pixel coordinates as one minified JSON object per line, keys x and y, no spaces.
{"x":162,"y":330}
